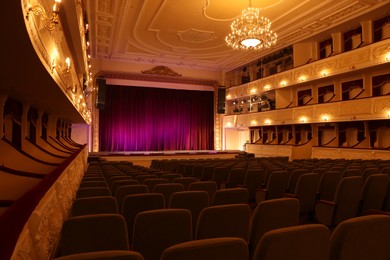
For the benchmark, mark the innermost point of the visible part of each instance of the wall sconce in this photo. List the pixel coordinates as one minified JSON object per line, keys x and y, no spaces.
{"x":228,"y":124}
{"x":67,"y":66}
{"x":325,"y":118}
{"x":302,"y":119}
{"x":388,"y":114}
{"x":302,"y":78}
{"x":49,"y":23}
{"x":324,"y":73}
{"x":387,"y":56}
{"x":283,"y":83}
{"x":267,"y":87}
{"x":253,"y":90}
{"x":227,"y":97}
{"x":253,"y":122}
{"x":267,"y":122}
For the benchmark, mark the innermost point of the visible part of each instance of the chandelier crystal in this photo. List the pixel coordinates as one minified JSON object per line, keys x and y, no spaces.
{"x":251,"y":32}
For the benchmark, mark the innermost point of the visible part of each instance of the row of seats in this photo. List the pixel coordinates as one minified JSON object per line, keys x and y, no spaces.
{"x":103,"y":237}
{"x":221,"y":230}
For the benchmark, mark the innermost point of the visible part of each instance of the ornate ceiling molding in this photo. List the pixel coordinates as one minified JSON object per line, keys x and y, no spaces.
{"x":157,"y":78}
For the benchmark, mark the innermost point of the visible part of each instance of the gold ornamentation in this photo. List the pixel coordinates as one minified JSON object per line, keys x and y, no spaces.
{"x":161,"y":70}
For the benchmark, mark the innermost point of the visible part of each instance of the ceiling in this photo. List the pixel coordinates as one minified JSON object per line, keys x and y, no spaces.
{"x":191,"y":34}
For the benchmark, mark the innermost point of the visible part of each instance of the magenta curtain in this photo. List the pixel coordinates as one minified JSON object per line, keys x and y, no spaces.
{"x":155,"y":119}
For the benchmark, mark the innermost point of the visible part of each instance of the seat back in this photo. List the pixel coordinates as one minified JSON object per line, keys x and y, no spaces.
{"x":117,"y":183}
{"x":231,"y":196}
{"x":171,"y":176}
{"x":224,"y":221}
{"x":328,"y":185}
{"x":90,"y":233}
{"x":153,"y":182}
{"x":90,"y":184}
{"x":209,"y":186}
{"x":309,"y":242}
{"x":166,"y":189}
{"x":123,"y":191}
{"x":94,"y":205}
{"x":134,"y":204}
{"x":270,"y":215}
{"x":294,"y":176}
{"x":361,"y":238}
{"x":306,"y":191}
{"x":220,"y":175}
{"x":208,"y":249}
{"x":110,"y":254}
{"x":351,"y":172}
{"x":93,"y":192}
{"x":156,"y":230}
{"x":277,"y":184}
{"x":236,"y":177}
{"x":369,"y":171}
{"x":374,"y":192}
{"x":347,"y":198}
{"x":254,"y":178}
{"x":194,"y":201}
{"x":186,"y":181}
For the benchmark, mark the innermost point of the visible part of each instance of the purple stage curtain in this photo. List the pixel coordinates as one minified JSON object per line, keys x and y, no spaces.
{"x":156,"y":119}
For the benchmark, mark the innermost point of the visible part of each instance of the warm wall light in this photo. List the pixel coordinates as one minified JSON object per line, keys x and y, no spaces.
{"x":303,"y":119}
{"x":228,"y":124}
{"x":283,"y":83}
{"x":267,"y":87}
{"x":228,"y":96}
{"x":387,"y":56}
{"x":325,"y":118}
{"x":253,"y":122}
{"x":253,"y":90}
{"x":267,"y":121}
{"x":49,"y":23}
{"x":302,"y":78}
{"x":324,"y":73}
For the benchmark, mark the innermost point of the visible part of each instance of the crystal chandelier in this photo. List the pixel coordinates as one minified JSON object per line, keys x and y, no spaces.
{"x":250,"y":31}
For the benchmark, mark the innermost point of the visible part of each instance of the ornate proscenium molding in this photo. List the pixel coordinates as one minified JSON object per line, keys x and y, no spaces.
{"x":157,"y":78}
{"x":161,"y":70}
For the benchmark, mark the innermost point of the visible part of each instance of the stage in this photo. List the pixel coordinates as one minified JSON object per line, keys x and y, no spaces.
{"x":145,"y":158}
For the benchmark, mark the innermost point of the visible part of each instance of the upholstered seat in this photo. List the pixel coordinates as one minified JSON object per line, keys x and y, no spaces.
{"x":361,"y":238}
{"x":270,"y":215}
{"x":156,"y":230}
{"x":91,"y":233}
{"x":208,"y":249}
{"x":303,"y":242}
{"x":224,"y":221}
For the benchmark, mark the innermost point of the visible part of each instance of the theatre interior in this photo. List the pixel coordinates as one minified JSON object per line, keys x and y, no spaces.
{"x":199,"y":129}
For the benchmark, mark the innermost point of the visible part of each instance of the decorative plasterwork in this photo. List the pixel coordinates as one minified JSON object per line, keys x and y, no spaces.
{"x":161,"y":70}
{"x":158,"y":78}
{"x":196,"y":36}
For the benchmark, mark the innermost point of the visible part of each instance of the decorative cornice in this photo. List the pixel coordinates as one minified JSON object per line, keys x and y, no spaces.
{"x":157,"y":78}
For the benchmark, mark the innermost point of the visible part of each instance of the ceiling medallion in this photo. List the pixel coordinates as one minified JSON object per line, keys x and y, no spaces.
{"x":161,"y":70}
{"x":250,"y":31}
